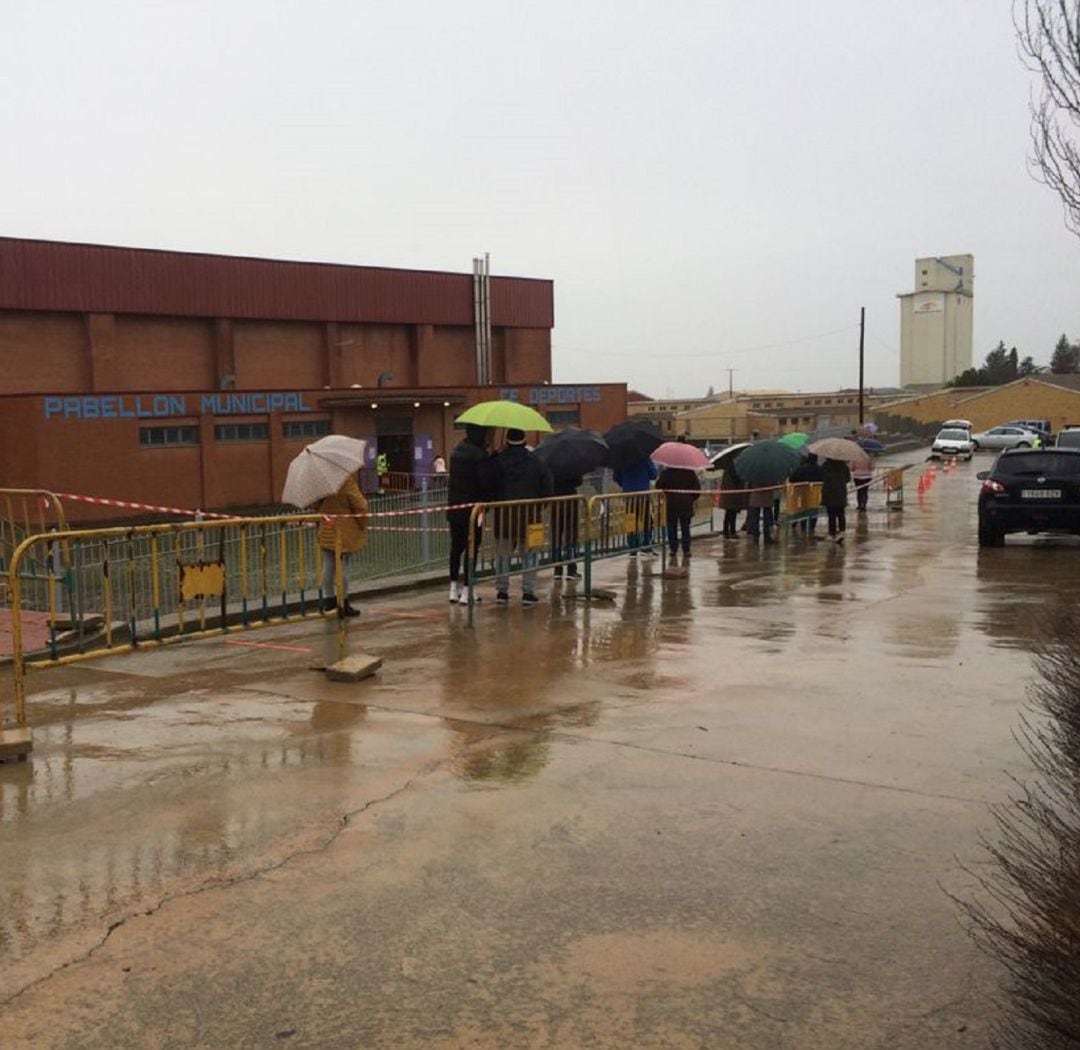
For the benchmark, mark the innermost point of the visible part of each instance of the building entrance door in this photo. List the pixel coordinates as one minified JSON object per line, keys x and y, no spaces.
{"x":394,"y":439}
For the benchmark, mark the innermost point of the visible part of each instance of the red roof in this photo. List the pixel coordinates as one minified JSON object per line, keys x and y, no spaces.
{"x":92,"y":278}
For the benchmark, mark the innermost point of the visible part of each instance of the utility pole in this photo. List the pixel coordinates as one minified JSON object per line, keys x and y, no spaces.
{"x":862,"y":343}
{"x":730,"y":382}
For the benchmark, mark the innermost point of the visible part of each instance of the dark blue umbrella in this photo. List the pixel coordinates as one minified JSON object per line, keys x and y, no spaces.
{"x":875,"y":448}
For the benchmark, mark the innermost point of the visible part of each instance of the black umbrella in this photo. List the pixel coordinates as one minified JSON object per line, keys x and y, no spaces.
{"x":571,"y":453}
{"x":632,"y":441}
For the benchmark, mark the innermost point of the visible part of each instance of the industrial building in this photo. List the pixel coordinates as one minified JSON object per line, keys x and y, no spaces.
{"x":936,"y":322}
{"x":192,"y":380}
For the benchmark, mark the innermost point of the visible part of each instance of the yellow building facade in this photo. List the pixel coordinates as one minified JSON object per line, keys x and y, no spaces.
{"x":1030,"y":398}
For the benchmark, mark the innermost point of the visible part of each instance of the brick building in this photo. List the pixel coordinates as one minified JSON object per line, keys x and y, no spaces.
{"x":193,"y":380}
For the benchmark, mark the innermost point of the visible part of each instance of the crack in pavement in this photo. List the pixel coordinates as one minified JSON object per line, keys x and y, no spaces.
{"x":577,"y":738}
{"x":343,"y":821}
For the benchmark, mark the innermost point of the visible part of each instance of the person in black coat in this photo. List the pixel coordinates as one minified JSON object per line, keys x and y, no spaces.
{"x":469,"y":482}
{"x":808,"y":472}
{"x":835,"y":475}
{"x":517,"y":475}
{"x":681,"y":489}
{"x":564,"y":527}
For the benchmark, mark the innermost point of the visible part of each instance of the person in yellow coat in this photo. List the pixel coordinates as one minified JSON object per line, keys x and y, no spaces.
{"x":349,"y":519}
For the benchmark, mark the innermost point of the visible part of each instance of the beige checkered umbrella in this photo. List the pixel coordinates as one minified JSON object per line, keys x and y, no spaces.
{"x":321,"y":469}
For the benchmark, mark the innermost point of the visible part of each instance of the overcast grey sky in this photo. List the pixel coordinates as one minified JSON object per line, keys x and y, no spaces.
{"x":711,"y":185}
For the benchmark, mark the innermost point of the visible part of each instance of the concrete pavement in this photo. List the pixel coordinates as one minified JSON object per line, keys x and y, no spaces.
{"x":724,"y":812}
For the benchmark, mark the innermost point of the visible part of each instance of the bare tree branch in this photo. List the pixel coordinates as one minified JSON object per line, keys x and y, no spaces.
{"x":1048,"y":35}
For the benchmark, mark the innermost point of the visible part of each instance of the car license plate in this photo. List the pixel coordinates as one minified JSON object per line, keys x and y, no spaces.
{"x":1040,"y":493}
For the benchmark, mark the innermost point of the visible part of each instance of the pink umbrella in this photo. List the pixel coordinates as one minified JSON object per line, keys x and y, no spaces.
{"x":681,"y":455}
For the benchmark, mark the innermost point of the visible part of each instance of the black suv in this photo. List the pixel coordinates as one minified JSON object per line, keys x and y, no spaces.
{"x":1029,"y":490}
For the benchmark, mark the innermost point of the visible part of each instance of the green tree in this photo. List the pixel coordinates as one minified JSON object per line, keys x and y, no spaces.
{"x":1001,"y":366}
{"x":1066,"y":357}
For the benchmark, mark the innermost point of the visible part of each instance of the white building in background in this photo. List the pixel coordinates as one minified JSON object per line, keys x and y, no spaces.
{"x":935,"y":321}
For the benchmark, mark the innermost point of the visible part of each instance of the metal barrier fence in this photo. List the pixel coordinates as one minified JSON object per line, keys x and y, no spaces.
{"x":108,"y":590}
{"x":520,"y":537}
{"x":24,"y":512}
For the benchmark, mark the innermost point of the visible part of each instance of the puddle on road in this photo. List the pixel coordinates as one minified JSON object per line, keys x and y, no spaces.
{"x":178,"y":772}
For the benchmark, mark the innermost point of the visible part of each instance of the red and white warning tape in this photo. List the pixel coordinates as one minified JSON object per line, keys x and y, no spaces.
{"x":438,"y":509}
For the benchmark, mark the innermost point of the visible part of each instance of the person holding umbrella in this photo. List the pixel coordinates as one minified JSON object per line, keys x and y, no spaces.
{"x":564,"y":526}
{"x":518,"y":475}
{"x":569,"y":455}
{"x":324,"y":476}
{"x":764,"y":466}
{"x":679,"y":462}
{"x":631,"y":443}
{"x":344,"y":528}
{"x":808,"y":473}
{"x":862,"y":474}
{"x":732,"y":499}
{"x":835,"y":475}
{"x":470,"y":482}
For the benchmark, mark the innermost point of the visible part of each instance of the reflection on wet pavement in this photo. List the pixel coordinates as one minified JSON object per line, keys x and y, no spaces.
{"x":155,"y":772}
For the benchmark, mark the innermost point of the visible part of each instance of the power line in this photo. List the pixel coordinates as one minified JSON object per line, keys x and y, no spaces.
{"x":708,"y":353}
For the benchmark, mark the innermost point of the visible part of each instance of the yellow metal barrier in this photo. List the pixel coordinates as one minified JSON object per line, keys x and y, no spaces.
{"x":894,"y":488}
{"x":156,"y":584}
{"x":801,"y":497}
{"x":24,"y":512}
{"x":519,"y":537}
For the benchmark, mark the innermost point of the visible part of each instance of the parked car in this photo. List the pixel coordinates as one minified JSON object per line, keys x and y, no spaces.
{"x":1029,"y":490}
{"x":1040,"y":426}
{"x":1004,"y":437}
{"x":952,"y":442}
{"x":1068,"y":437}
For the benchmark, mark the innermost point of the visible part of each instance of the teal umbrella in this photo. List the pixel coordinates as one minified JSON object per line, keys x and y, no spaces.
{"x":795,"y":440}
{"x":766,"y":463}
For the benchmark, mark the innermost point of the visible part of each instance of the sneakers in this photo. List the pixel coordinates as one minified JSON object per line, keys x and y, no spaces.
{"x":558,"y":573}
{"x":573,"y":574}
{"x":649,"y":552}
{"x":633,"y":554}
{"x":839,"y":537}
{"x":349,"y":611}
{"x":463,"y":597}
{"x":455,"y":592}
{"x":529,"y":599}
{"x":502,"y":598}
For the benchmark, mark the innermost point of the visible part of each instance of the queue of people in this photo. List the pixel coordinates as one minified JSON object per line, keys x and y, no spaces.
{"x":515,"y":476}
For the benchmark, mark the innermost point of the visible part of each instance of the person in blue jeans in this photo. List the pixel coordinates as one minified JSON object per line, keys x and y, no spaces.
{"x":517,"y":474}
{"x":638,"y":478}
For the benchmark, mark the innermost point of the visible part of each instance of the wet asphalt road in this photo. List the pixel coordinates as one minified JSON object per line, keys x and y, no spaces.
{"x":725,"y":811}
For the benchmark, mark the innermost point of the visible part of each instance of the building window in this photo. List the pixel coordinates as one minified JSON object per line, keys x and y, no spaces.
{"x":571,"y":417}
{"x":306,"y":428}
{"x":167,"y":437}
{"x":241,"y":432}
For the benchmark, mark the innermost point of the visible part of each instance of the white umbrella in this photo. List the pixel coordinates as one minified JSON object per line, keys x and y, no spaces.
{"x":321,"y":469}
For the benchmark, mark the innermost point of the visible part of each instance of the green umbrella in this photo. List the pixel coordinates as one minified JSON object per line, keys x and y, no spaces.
{"x":766,"y":463}
{"x":504,"y":414}
{"x":795,"y":440}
